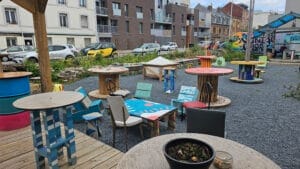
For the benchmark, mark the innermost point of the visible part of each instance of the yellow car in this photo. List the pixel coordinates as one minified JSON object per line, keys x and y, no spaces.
{"x":106,"y":49}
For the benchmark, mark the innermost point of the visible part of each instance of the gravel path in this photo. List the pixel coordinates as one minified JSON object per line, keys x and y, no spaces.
{"x":259,"y":116}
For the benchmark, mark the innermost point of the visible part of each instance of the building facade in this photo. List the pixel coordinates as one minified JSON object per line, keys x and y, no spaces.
{"x":239,"y":17}
{"x":204,"y":23}
{"x":68,"y":21}
{"x":220,"y":23}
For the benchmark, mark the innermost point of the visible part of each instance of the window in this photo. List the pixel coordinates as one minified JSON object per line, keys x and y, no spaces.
{"x":71,"y":41}
{"x":49,"y":39}
{"x":159,"y":4}
{"x":126,"y":9}
{"x":11,"y":15}
{"x":63,"y":19}
{"x":114,"y":25}
{"x":127,"y":26}
{"x":141,"y":28}
{"x":84,"y":21}
{"x":87,"y":41}
{"x":61,"y":1}
{"x":139,"y":9}
{"x":11,"y":41}
{"x":152,"y":14}
{"x":173,"y":30}
{"x":173,"y":17}
{"x":116,"y":5}
{"x":82,"y":3}
{"x":182,"y":18}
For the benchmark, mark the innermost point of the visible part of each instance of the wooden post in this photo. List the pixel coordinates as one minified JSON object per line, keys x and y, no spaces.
{"x":1,"y":67}
{"x":42,"y":45}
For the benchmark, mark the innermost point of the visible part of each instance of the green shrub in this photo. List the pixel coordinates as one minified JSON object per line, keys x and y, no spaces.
{"x":33,"y":68}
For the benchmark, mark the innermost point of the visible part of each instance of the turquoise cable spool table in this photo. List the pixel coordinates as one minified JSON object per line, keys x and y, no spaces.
{"x":13,"y":86}
{"x":55,"y":109}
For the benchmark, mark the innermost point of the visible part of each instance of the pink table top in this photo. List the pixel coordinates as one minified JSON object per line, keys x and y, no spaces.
{"x":208,"y":71}
{"x":206,"y":57}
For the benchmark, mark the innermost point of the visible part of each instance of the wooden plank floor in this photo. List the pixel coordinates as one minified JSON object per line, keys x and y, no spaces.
{"x":16,"y":151}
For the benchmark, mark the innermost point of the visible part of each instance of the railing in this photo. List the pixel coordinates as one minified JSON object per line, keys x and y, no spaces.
{"x":104,"y":28}
{"x":163,"y":19}
{"x":161,"y":32}
{"x":183,"y":33}
{"x":204,"y":24}
{"x":117,"y":12}
{"x":203,"y":34}
{"x":190,"y":22}
{"x":139,"y":15}
{"x":101,"y":10}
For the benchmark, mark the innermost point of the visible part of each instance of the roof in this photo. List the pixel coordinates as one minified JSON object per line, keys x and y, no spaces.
{"x":160,"y":61}
{"x":276,"y":23}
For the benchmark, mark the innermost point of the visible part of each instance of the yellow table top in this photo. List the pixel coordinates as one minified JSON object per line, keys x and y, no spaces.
{"x":251,"y":62}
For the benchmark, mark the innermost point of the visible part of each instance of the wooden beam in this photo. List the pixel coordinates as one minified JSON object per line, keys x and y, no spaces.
{"x":42,"y":45}
{"x":26,"y":4}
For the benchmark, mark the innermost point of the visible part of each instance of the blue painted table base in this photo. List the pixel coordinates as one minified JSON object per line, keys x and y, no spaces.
{"x":54,"y":141}
{"x":246,"y":72}
{"x":169,"y":77}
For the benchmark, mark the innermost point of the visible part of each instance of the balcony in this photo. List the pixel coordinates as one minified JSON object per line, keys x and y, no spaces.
{"x":191,"y":22}
{"x":183,"y":33}
{"x":161,"y":32}
{"x":117,"y":12}
{"x":139,"y":15}
{"x":204,"y":24}
{"x":203,"y":34}
{"x":101,"y":11}
{"x":163,"y":19}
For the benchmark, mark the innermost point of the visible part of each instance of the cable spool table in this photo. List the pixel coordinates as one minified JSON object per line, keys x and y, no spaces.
{"x":246,"y":72}
{"x":206,"y":61}
{"x":13,"y":85}
{"x":210,"y":75}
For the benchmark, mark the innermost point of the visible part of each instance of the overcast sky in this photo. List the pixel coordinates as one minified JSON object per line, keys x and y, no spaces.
{"x":265,"y":5}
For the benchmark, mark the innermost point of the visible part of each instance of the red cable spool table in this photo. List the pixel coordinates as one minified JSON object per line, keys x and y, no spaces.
{"x":211,"y":75}
{"x":206,"y":61}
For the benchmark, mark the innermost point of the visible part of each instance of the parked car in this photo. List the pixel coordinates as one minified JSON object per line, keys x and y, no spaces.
{"x":5,"y":53}
{"x":55,"y":52}
{"x":169,"y":46}
{"x":73,"y":49}
{"x":204,"y":44}
{"x":147,"y":48}
{"x":88,"y":47}
{"x":106,"y":49}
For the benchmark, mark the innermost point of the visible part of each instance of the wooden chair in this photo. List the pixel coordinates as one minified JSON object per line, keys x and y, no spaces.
{"x":220,"y":62}
{"x":121,"y":118}
{"x":86,"y":106}
{"x":186,"y":94}
{"x":205,"y":121}
{"x":143,"y":90}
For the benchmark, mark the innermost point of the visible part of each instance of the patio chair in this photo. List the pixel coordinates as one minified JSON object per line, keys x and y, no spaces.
{"x":205,"y":121}
{"x":121,"y":118}
{"x":86,"y":106}
{"x":143,"y":90}
{"x":262,"y":59}
{"x":220,"y":62}
{"x":186,"y":94}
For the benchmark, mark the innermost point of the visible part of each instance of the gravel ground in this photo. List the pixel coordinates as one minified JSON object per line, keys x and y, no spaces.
{"x":259,"y":116}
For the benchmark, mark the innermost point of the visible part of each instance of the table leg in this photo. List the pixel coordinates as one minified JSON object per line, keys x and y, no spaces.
{"x":202,"y":79}
{"x":57,"y":130}
{"x":50,"y":131}
{"x":69,"y":134}
{"x":172,"y":120}
{"x":154,"y":128}
{"x":37,"y":138}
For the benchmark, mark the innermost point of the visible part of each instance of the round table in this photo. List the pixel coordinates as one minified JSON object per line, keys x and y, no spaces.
{"x":107,"y":73}
{"x":206,"y":61}
{"x":149,"y":155}
{"x":247,"y":72}
{"x":50,"y":106}
{"x":211,"y":75}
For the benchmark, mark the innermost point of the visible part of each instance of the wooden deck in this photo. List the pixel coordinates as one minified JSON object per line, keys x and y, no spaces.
{"x":16,"y":151}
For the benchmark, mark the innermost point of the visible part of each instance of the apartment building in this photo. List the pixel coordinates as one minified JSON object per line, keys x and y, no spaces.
{"x":239,"y":16}
{"x":220,"y":23}
{"x":204,"y":23}
{"x":68,"y":21}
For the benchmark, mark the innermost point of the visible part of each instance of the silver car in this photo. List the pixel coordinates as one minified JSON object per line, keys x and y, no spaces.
{"x":55,"y":52}
{"x":147,"y":48}
{"x":169,"y":46}
{"x":6,"y":53}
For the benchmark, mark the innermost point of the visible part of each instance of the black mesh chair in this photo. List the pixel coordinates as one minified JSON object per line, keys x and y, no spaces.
{"x":205,"y":121}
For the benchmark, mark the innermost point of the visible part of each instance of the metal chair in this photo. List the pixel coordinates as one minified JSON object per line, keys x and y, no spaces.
{"x":206,"y":121}
{"x":121,"y":118}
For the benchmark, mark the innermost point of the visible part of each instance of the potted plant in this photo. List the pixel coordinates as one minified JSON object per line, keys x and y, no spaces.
{"x":188,"y":153}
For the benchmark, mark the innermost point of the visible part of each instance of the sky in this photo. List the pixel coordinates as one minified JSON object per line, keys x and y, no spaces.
{"x":264,"y":5}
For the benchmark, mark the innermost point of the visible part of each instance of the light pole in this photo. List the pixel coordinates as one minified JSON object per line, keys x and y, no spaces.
{"x":230,"y":26}
{"x":250,"y":30}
